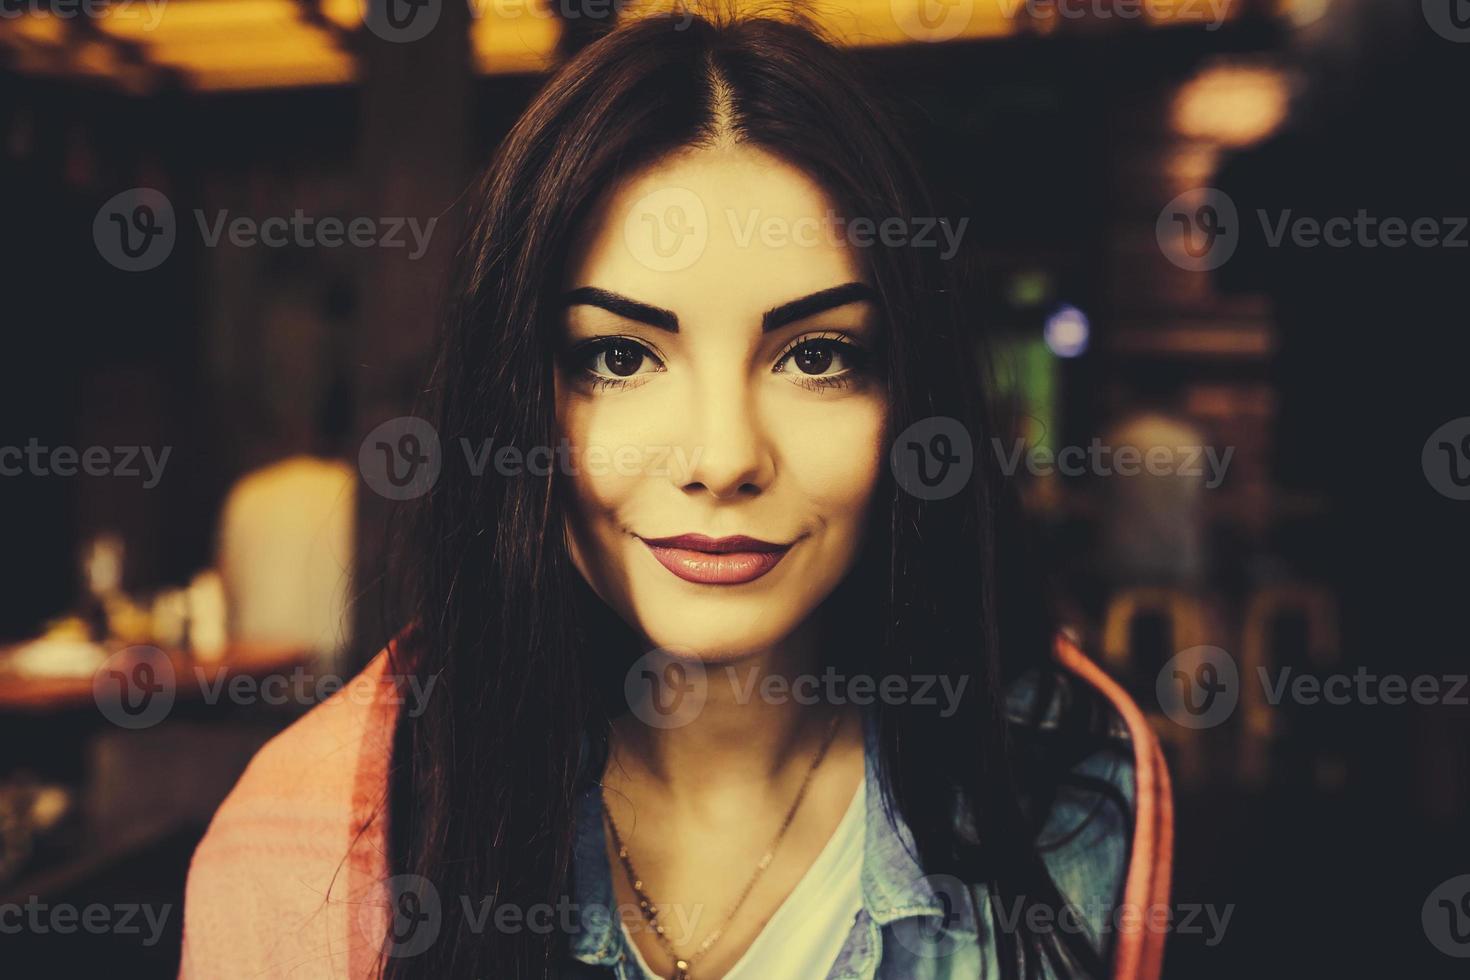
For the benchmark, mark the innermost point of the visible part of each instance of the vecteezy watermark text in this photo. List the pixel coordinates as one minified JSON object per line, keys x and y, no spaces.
{"x":934,"y":458}
{"x":1211,"y":13}
{"x":953,"y":900}
{"x":668,"y":230}
{"x":403,"y":457}
{"x":1200,"y":687}
{"x":1099,"y":459}
{"x":1200,"y":230}
{"x":136,"y":230}
{"x":777,"y":231}
{"x":63,"y":918}
{"x":91,"y":9}
{"x":306,"y":231}
{"x":1186,"y":918}
{"x":414,"y":909}
{"x":138,"y":686}
{"x":670,"y":691}
{"x":34,"y":459}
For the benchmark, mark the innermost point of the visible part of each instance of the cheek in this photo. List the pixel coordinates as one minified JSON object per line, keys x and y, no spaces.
{"x":609,"y":438}
{"x":833,"y":453}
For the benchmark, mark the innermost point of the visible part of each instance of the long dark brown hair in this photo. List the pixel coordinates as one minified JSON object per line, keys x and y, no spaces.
{"x":529,"y":662}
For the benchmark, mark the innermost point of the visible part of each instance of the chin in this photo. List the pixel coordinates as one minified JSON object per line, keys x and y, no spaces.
{"x":717,"y":630}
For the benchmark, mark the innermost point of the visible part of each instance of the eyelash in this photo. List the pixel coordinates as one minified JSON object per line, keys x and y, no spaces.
{"x":579,"y":356}
{"x":853,"y":354}
{"x":856,"y":357}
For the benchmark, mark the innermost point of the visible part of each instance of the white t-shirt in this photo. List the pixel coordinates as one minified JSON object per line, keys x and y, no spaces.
{"x":804,"y":936}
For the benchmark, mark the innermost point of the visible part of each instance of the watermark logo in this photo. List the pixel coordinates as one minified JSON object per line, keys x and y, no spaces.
{"x":135,"y":230}
{"x":1199,"y":687}
{"x":1450,"y":19}
{"x":937,"y":936}
{"x":933,"y":458}
{"x":932,"y":20}
{"x":1446,"y":917}
{"x":1446,"y":459}
{"x":135,"y":687}
{"x":401,"y":459}
{"x":400,"y":21}
{"x":415,"y":916}
{"x":138,"y":687}
{"x":664,"y":690}
{"x":1198,"y":230}
{"x":667,"y":230}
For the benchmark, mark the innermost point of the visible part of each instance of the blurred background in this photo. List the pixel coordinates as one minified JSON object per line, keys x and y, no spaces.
{"x":183,"y":509}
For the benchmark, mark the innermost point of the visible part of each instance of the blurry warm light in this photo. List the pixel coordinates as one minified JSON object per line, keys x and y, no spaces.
{"x":1229,"y":401}
{"x":510,"y":36}
{"x":41,"y":28}
{"x":236,"y":44}
{"x":1236,"y":340}
{"x":1190,"y":166}
{"x":299,"y":59}
{"x":199,"y":20}
{"x":95,"y":58}
{"x":1303,"y":12}
{"x":1207,"y":12}
{"x":1231,"y":105}
{"x":874,"y":23}
{"x":346,"y":14}
{"x":233,"y":44}
{"x":41,"y":44}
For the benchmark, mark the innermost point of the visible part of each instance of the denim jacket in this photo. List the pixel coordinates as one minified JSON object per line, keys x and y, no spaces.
{"x":908,"y":927}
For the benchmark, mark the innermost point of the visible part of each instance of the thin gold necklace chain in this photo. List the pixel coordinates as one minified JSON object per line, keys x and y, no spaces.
{"x":683,"y":964}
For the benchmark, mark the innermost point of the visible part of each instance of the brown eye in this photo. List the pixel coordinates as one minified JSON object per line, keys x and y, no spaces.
{"x":613,"y":361}
{"x":622,"y":359}
{"x":813,"y":358}
{"x":823,"y":362}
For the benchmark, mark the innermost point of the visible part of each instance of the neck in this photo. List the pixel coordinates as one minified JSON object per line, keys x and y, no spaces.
{"x":741,"y":740}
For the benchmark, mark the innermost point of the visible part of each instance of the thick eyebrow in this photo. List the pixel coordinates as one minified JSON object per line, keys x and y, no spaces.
{"x":773,"y":319}
{"x":827,"y":299}
{"x":623,"y":306}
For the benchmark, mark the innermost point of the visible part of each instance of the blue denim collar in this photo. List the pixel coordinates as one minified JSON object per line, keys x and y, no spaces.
{"x":893,"y":884}
{"x":597,"y":940}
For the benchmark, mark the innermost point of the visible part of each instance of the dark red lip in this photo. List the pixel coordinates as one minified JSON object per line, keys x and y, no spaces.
{"x":703,"y":560}
{"x":715,"y":546}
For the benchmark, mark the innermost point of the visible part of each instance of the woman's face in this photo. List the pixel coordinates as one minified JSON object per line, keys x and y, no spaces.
{"x":715,"y":380}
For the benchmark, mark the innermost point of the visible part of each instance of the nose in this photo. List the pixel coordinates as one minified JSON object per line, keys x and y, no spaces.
{"x":728,"y":451}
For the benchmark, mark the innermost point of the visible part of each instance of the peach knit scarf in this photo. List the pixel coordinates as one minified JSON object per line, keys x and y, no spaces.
{"x":290,"y":879}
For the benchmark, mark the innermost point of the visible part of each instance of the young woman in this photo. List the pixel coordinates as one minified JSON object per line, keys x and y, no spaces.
{"x":722,"y":688}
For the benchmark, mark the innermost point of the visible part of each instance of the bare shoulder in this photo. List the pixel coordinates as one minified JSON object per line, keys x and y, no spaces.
{"x":297,"y":845}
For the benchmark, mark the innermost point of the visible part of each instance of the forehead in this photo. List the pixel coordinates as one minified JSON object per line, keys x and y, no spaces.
{"x":733,"y":230}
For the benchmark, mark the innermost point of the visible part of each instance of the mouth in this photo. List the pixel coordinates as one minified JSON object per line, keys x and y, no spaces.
{"x":734,"y":560}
